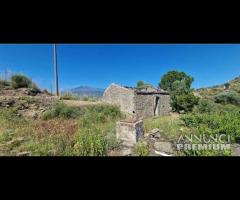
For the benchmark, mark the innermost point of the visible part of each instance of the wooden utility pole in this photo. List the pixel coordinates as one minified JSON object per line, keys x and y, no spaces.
{"x":56,"y":70}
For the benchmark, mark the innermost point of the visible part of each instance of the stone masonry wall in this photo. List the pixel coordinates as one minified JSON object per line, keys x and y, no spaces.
{"x":129,"y":132}
{"x":144,"y":105}
{"x":164,"y":105}
{"x":120,"y":96}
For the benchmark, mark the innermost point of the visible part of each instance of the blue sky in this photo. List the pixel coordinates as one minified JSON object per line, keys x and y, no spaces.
{"x":101,"y":64}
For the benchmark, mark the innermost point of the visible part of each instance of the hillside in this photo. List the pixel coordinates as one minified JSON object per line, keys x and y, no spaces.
{"x":209,"y":92}
{"x":86,"y":91}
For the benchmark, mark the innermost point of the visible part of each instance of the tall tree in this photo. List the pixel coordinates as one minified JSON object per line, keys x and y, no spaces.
{"x":168,"y":79}
{"x":179,"y":86}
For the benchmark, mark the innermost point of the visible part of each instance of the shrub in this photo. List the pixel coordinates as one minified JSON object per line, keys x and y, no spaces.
{"x":142,"y":150}
{"x":184,"y":102}
{"x":227,"y":123}
{"x":4,"y":83}
{"x":213,"y":124}
{"x":21,"y":81}
{"x":61,"y":110}
{"x":91,"y":142}
{"x":142,"y":84}
{"x":99,"y":114}
{"x":205,"y":106}
{"x":226,"y":85}
{"x":228,"y":97}
{"x":68,"y":96}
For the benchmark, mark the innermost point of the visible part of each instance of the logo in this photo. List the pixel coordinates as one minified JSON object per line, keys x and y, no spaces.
{"x":203,"y":142}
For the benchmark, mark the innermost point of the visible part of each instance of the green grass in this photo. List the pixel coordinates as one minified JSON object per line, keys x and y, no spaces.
{"x":63,"y":132}
{"x":171,"y":126}
{"x":68,"y":96}
{"x":142,"y":150}
{"x":61,"y":110}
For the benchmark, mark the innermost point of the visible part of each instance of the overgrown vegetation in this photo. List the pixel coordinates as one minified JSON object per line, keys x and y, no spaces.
{"x":4,"y":83}
{"x":142,"y":149}
{"x":68,"y":96}
{"x":63,"y":131}
{"x":228,"y":97}
{"x":21,"y":81}
{"x":61,"y":110}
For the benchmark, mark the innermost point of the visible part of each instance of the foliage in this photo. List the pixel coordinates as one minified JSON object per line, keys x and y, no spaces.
{"x":4,"y":83}
{"x":228,"y":97}
{"x":142,"y":150}
{"x":142,"y":84}
{"x":22,"y":81}
{"x":91,"y":143}
{"x":61,"y":110}
{"x":205,"y":106}
{"x":167,"y":81}
{"x":184,"y":102}
{"x":68,"y":96}
{"x":171,"y":125}
{"x":226,"y":85}
{"x":182,"y":97}
{"x":227,"y":123}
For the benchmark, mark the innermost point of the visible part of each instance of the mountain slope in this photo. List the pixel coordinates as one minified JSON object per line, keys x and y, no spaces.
{"x":234,"y":85}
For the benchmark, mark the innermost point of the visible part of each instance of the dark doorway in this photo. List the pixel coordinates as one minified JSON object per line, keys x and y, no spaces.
{"x":156,"y":107}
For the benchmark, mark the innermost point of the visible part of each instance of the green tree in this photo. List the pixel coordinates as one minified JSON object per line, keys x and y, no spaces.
{"x":179,"y":86}
{"x":168,"y":80}
{"x":226,"y":85}
{"x":142,"y":84}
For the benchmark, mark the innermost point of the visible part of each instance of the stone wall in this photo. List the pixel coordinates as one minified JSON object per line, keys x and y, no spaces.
{"x":144,"y":105}
{"x":164,"y":108}
{"x":120,"y":96}
{"x":129,"y":132}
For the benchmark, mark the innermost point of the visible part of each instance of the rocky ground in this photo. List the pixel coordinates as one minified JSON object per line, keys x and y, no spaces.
{"x":26,"y":101}
{"x":156,"y":143}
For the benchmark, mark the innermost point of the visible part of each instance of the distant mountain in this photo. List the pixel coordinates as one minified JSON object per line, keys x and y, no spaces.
{"x":86,"y":91}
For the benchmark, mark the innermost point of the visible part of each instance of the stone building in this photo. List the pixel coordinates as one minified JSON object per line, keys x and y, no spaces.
{"x":146,"y":102}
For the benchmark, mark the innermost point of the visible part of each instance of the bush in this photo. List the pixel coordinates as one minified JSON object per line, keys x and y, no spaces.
{"x":227,"y":123}
{"x":205,"y":106}
{"x":184,"y":102}
{"x":21,"y":81}
{"x":4,"y":83}
{"x":61,"y":110}
{"x":142,"y":150}
{"x":142,"y":85}
{"x":99,"y":114}
{"x":213,"y":124}
{"x":228,"y":97}
{"x":91,"y":143}
{"x":68,"y":96}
